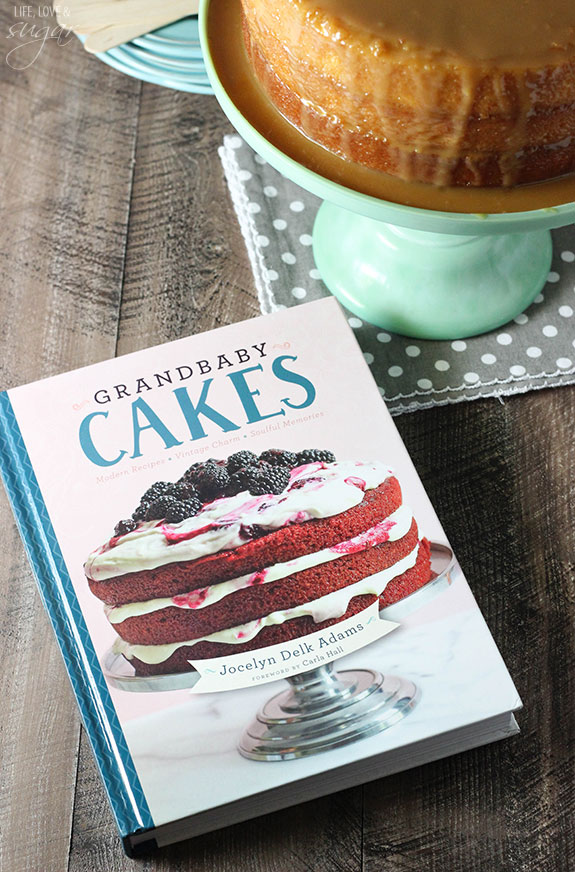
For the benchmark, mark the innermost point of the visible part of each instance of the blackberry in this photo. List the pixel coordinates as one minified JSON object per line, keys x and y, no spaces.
{"x":140,"y":513}
{"x":182,"y":491}
{"x":183,"y":509}
{"x":315,"y":455}
{"x":185,"y":478}
{"x":240,"y":480}
{"x":240,"y":459}
{"x":158,"y":489}
{"x":279,"y":457}
{"x":159,"y":509}
{"x":210,"y":481}
{"x":252,"y":531}
{"x":191,"y":507}
{"x":261,"y":479}
{"x":125,"y":526}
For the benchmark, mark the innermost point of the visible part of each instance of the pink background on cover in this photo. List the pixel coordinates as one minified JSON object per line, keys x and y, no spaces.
{"x":85,"y":501}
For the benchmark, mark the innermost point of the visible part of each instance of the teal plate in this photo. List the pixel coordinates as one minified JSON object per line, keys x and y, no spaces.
{"x":122,"y":55}
{"x":180,"y":67}
{"x":189,"y":52}
{"x":147,"y":75}
{"x":191,"y":81}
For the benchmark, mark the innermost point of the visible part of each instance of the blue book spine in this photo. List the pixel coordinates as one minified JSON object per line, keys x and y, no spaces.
{"x":99,"y":716}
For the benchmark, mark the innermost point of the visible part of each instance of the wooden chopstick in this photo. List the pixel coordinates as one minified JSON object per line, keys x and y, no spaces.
{"x":108,"y":23}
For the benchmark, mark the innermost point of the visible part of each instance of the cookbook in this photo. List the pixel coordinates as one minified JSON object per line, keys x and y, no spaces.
{"x":252,"y":593}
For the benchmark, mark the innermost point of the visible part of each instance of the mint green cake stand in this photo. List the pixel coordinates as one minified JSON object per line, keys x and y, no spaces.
{"x":417,"y":272}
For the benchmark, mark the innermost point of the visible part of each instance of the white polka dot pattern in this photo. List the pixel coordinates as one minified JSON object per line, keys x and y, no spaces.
{"x":413,"y":350}
{"x":537,"y":348}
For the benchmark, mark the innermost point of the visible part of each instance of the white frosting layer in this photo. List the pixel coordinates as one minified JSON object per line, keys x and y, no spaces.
{"x":389,"y":530}
{"x":224,"y":523}
{"x":333,"y":605}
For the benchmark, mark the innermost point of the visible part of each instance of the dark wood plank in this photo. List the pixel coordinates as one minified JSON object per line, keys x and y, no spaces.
{"x":501,"y":478}
{"x":62,"y":239}
{"x":186,"y":265}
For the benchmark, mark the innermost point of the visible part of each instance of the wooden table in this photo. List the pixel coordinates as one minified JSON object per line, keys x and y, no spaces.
{"x":117,"y":233}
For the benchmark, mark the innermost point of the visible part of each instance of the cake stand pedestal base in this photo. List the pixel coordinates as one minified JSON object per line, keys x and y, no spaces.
{"x":325,"y":710}
{"x":424,"y":284}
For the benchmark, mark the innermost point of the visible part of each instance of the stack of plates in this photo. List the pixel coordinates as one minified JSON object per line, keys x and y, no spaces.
{"x":170,"y":56}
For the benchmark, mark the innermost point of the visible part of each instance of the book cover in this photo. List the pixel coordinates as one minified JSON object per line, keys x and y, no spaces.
{"x":253,"y":595}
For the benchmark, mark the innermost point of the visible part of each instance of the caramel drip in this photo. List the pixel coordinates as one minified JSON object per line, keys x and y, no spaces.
{"x":495,"y":30}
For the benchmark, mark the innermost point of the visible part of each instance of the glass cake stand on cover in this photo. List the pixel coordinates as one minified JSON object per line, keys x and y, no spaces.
{"x":322,"y":709}
{"x":415,"y":271}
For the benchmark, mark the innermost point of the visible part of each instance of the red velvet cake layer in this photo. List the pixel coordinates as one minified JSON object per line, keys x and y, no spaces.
{"x":174,"y":624}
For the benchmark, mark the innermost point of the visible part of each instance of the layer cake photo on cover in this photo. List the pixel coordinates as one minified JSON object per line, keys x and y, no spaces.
{"x":252,"y":551}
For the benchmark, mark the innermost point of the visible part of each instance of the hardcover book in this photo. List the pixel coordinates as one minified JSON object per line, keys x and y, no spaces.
{"x":254,"y":598}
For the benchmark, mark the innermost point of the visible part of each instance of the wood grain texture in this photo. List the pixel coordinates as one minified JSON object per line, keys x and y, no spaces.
{"x":62,"y":240}
{"x":117,"y":234}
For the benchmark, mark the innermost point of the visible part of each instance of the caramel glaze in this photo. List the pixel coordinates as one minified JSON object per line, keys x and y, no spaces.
{"x":237,"y":76}
{"x":534,"y":32}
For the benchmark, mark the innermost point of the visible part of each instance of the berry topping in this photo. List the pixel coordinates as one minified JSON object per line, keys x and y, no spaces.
{"x":253,"y":531}
{"x":240,"y":459}
{"x":140,"y":513}
{"x":158,"y":489}
{"x":182,"y":491}
{"x":315,"y":455}
{"x":185,"y":478}
{"x":159,"y":509}
{"x":301,"y":482}
{"x":261,"y":479}
{"x":191,"y":507}
{"x":279,"y":457}
{"x":179,"y":511}
{"x":210,"y":480}
{"x":125,"y":526}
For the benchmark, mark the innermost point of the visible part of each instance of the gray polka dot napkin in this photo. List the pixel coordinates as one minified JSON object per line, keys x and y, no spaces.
{"x":536,"y":350}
